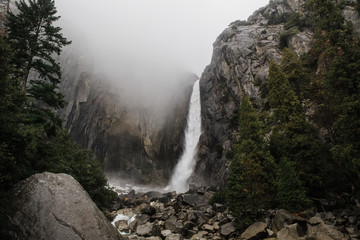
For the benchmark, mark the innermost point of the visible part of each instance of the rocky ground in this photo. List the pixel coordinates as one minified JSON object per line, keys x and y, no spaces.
{"x":172,"y":216}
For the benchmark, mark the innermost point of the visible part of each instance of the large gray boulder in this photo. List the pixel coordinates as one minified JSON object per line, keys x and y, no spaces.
{"x":55,"y":206}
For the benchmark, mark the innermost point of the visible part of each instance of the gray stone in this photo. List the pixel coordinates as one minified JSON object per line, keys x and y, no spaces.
{"x":166,"y":232}
{"x":174,"y":237}
{"x":352,"y":219}
{"x":227,"y":229}
{"x":283,"y":218}
{"x":199,"y":235}
{"x":171,"y":223}
{"x":288,"y":233}
{"x":317,"y":226}
{"x":241,"y":58}
{"x":194,"y":200}
{"x":219,"y":207}
{"x":144,"y":230}
{"x":255,"y":231}
{"x":112,"y":122}
{"x":122,"y":225}
{"x":55,"y":206}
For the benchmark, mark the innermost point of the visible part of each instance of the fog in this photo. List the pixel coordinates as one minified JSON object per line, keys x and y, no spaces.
{"x":146,"y":44}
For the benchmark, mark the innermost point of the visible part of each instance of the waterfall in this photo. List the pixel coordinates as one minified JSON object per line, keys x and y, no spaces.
{"x":186,"y":164}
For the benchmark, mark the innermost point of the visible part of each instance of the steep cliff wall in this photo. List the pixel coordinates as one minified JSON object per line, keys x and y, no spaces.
{"x":240,"y":63}
{"x":132,"y":140}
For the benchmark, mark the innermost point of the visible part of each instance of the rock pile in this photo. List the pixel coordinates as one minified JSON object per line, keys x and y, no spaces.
{"x":156,"y":216}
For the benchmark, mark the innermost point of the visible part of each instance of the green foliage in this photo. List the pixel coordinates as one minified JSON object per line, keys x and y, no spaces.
{"x":65,"y":156}
{"x":296,"y":20}
{"x":251,"y":178}
{"x":31,"y":140}
{"x":218,"y":197}
{"x":35,"y":40}
{"x":234,"y":25}
{"x":284,"y":37}
{"x":291,"y":193}
{"x":319,"y":91}
{"x":278,"y":18}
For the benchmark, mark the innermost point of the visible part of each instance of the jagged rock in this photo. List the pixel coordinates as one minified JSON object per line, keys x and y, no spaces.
{"x":199,"y":235}
{"x":145,"y":208}
{"x":194,"y":200}
{"x":255,"y":231}
{"x":133,"y":225}
{"x":352,"y":219}
{"x":289,"y":232}
{"x":106,"y":118}
{"x":154,"y":238}
{"x":227,"y":229}
{"x":55,"y":206}
{"x":144,"y":230}
{"x":317,"y":227}
{"x":166,"y":233}
{"x":171,"y":223}
{"x":189,"y":225}
{"x":142,"y":219}
{"x":239,"y":64}
{"x":153,"y":195}
{"x":174,"y":237}
{"x":208,"y":228}
{"x":219,"y":207}
{"x":122,"y":225}
{"x":283,"y":217}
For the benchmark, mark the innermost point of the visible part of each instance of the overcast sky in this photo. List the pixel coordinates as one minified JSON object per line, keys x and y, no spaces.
{"x":179,"y":32}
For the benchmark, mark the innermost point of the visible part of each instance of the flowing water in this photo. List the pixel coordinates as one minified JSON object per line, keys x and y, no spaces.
{"x":186,"y":164}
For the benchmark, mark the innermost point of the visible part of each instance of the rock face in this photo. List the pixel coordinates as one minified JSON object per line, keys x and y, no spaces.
{"x":240,"y":63}
{"x":131,"y":139}
{"x":55,"y":206}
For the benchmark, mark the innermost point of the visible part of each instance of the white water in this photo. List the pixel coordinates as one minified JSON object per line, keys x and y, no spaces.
{"x":186,"y":164}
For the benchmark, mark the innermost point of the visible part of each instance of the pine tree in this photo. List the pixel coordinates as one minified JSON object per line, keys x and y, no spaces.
{"x":293,"y":139}
{"x":251,"y":178}
{"x":336,"y":87}
{"x":35,"y":39}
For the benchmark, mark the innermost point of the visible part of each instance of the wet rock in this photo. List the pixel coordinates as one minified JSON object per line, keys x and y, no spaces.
{"x":255,"y":231}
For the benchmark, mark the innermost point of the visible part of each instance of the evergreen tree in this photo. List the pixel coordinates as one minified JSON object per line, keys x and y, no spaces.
{"x":293,"y":139}
{"x":291,"y":193}
{"x":336,"y":88}
{"x":28,"y":143}
{"x":251,"y":178}
{"x":35,"y":39}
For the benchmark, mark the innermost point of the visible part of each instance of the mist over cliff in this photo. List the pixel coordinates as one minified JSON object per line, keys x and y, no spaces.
{"x":128,"y":75}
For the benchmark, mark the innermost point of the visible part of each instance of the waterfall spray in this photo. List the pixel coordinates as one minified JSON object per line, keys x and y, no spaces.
{"x":186,"y":164}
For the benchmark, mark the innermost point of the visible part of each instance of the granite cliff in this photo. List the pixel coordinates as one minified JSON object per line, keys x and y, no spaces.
{"x":240,"y":63}
{"x":132,"y":140}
